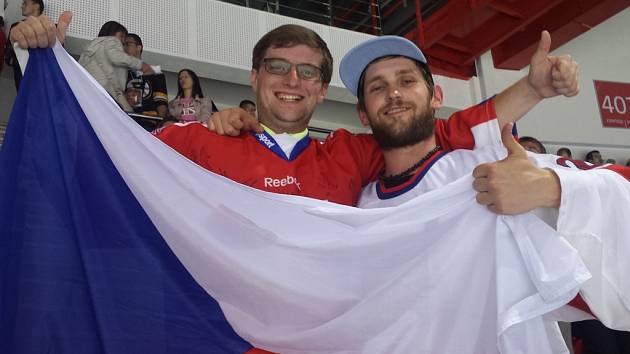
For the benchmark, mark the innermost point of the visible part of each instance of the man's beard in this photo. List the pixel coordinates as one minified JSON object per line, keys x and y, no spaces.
{"x":393,"y":136}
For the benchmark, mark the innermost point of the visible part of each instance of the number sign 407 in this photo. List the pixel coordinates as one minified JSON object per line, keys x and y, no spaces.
{"x":616,"y":104}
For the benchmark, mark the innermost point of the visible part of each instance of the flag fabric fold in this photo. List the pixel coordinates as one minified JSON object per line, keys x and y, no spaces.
{"x":112,"y":242}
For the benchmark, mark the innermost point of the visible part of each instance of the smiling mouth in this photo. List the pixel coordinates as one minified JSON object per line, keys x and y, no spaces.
{"x":396,"y":110}
{"x":289,"y":98}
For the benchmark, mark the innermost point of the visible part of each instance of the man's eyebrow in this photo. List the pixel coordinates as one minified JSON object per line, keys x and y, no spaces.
{"x":380,"y":77}
{"x":375,"y":78}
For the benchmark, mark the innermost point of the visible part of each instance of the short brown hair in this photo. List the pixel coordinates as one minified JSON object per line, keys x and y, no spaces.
{"x":424,"y":69}
{"x":287,"y":36}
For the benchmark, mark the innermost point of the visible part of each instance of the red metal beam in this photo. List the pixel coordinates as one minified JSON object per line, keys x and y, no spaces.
{"x":565,"y":22}
{"x":456,"y":44}
{"x":446,"y":54}
{"x":507,"y":8}
{"x":419,"y":31}
{"x":439,"y":67}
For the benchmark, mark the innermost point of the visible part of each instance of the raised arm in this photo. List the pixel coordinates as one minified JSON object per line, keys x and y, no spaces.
{"x":549,"y":76}
{"x":41,"y":32}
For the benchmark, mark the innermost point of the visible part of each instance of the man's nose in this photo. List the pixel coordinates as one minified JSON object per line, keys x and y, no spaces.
{"x":394,"y":93}
{"x":292,"y":78}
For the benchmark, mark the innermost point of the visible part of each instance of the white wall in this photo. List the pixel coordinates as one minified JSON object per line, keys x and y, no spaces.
{"x":603,"y":53}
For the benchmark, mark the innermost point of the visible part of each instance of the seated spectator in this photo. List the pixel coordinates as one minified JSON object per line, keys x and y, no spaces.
{"x":248,"y":106}
{"x":105,"y":59}
{"x":189,"y":104}
{"x":628,"y":163}
{"x":145,"y":93}
{"x":532,"y":145}
{"x":564,"y":152}
{"x":594,"y":157}
{"x":29,"y":8}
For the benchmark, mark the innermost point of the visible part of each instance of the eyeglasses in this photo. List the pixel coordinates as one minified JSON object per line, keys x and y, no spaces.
{"x":282,"y":67}
{"x":130,"y":43}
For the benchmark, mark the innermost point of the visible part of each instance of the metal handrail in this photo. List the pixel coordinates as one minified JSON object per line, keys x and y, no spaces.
{"x":355,"y":15}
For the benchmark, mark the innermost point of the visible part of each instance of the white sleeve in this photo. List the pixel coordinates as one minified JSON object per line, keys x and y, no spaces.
{"x":594,"y":217}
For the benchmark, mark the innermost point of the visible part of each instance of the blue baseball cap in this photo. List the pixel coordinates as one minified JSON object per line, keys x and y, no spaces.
{"x":358,"y":58}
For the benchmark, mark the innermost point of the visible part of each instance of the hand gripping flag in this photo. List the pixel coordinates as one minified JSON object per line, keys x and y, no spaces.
{"x":112,"y":242}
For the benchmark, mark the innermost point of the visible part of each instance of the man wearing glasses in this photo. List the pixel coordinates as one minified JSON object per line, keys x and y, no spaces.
{"x":146,"y":93}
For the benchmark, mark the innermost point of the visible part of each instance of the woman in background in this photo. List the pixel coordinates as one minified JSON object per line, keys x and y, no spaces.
{"x":105,"y":59}
{"x":189,"y":104}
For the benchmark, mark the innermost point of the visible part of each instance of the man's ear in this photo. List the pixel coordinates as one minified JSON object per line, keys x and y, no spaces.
{"x":438,"y":97}
{"x":362,"y":116}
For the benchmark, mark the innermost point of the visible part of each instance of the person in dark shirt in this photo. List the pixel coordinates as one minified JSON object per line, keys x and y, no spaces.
{"x":147,"y":94}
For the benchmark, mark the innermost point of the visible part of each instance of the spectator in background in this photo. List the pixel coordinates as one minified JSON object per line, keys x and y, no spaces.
{"x":594,"y":157}
{"x":29,"y":8}
{"x":532,"y":145}
{"x":3,"y":43}
{"x":190,"y":104}
{"x":612,"y":161}
{"x":628,"y":163}
{"x":564,"y":152}
{"x":248,"y":106}
{"x":105,"y":59}
{"x":145,"y":93}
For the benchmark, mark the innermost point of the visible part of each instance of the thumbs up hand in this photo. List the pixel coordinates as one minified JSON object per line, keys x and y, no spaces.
{"x":551,"y":76}
{"x":515,"y":185}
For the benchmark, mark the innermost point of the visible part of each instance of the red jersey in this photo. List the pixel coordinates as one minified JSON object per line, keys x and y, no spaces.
{"x":335,"y":170}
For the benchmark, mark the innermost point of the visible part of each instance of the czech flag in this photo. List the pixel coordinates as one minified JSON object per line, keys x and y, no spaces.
{"x":112,"y":242}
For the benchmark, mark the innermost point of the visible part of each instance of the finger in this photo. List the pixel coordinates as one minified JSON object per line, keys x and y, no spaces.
{"x":512,"y":146}
{"x":51,"y":31}
{"x":483,"y":198}
{"x":18,"y":37}
{"x":29,"y":35}
{"x":36,"y":31}
{"x":237,"y":123}
{"x":229,"y":129}
{"x":62,"y":25}
{"x":219,"y":127}
{"x":540,"y":55}
{"x":564,"y":68}
{"x":211,"y":126}
{"x":480,"y":184}
{"x":495,"y":209}
{"x":42,"y":32}
{"x":481,"y":171}
{"x":253,"y":125}
{"x":569,"y":91}
{"x":565,"y":84}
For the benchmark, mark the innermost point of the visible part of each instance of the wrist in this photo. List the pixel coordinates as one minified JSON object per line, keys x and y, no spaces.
{"x":532,"y":92}
{"x":551,"y":189}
